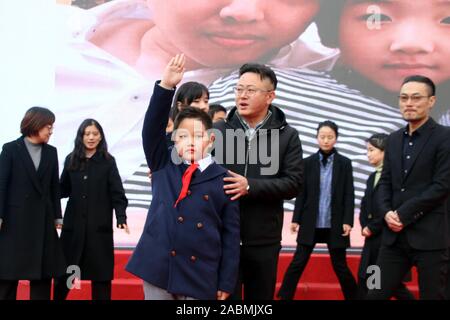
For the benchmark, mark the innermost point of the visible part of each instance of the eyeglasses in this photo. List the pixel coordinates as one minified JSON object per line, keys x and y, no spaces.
{"x":249,"y":91}
{"x":414,"y":98}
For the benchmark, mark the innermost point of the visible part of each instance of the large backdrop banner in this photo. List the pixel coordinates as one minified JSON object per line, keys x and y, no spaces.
{"x":339,"y":60}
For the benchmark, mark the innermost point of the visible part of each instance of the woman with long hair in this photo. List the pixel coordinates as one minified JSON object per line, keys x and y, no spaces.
{"x":91,"y":181}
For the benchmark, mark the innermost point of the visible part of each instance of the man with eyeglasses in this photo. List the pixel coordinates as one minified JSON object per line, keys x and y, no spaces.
{"x":264,"y":156}
{"x":413,"y":191}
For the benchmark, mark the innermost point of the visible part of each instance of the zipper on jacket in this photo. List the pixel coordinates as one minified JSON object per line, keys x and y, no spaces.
{"x":249,"y":145}
{"x":249,"y":142}
{"x":247,"y":156}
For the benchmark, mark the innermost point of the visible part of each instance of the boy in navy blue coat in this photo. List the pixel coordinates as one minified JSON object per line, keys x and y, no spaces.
{"x":189,"y":248}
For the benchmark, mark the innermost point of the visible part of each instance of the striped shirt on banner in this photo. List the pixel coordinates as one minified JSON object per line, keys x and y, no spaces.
{"x":307,"y":98}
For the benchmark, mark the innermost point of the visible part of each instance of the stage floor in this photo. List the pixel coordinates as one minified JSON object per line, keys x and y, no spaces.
{"x":318,"y":281}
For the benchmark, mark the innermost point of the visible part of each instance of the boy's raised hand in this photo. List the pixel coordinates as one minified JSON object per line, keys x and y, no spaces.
{"x":174,"y":71}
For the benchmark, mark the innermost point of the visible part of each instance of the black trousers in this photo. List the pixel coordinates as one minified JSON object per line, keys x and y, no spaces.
{"x":447,"y":289}
{"x":100,"y":290}
{"x":39,"y":289}
{"x":257,"y":272}
{"x":400,"y":293}
{"x":369,"y":257}
{"x":300,"y":260}
{"x":396,"y":260}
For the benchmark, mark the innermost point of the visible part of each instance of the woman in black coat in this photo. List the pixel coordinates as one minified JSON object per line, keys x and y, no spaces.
{"x":92,"y":182}
{"x":30,"y":209}
{"x":371,"y":219}
{"x":323,"y":213}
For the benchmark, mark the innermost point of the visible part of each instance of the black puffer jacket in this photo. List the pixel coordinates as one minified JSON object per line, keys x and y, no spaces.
{"x":272,"y":162}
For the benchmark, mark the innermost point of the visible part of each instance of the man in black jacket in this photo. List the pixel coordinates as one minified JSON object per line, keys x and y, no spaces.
{"x":413,"y":191}
{"x":264,"y":156}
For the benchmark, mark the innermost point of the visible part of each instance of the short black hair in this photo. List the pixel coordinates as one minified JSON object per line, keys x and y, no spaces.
{"x":422,"y":79}
{"x":378,"y":140}
{"x":330,"y":124}
{"x":328,"y":21}
{"x":35,"y":119}
{"x":186,"y":94}
{"x":262,"y":70}
{"x":214,"y":108}
{"x":193,"y":113}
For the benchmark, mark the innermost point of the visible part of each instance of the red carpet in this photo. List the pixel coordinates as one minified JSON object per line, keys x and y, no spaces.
{"x":318,"y":281}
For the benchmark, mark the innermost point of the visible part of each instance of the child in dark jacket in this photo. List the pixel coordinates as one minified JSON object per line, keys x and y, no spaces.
{"x":190,"y":245}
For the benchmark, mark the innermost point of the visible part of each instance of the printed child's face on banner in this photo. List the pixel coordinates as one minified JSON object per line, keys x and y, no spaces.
{"x":231,"y":32}
{"x":404,"y":38}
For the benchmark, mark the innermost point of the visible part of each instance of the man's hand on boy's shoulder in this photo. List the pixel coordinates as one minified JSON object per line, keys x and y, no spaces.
{"x":173,"y":73}
{"x":237,"y":185}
